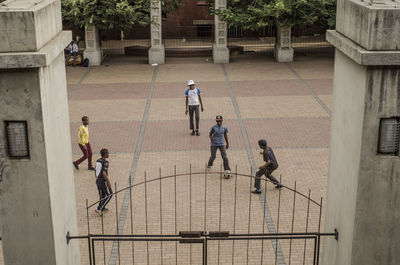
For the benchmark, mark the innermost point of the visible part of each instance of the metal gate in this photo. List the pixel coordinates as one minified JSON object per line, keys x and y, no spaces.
{"x":205,"y":218}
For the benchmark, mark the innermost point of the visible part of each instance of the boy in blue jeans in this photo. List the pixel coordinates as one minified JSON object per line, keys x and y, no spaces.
{"x":218,"y":137}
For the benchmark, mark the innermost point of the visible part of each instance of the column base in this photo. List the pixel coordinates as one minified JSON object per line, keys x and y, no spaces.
{"x":283,"y":55}
{"x":220,"y":54}
{"x":157,"y":55}
{"x":95,"y":56}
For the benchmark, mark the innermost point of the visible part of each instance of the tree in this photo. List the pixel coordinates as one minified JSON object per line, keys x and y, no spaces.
{"x":254,"y":14}
{"x":327,"y":20}
{"x":111,"y":14}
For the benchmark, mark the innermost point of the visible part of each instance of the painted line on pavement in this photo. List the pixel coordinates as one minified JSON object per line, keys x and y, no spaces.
{"x":79,"y":82}
{"x":320,"y":102}
{"x":264,"y":204}
{"x":125,"y":204}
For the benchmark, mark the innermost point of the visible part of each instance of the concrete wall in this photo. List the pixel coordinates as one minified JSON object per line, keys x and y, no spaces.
{"x":363,"y":187}
{"x":57,"y":136}
{"x":26,"y":225}
{"x":37,"y":195}
{"x":377,"y":226}
{"x":23,"y":29}
{"x":344,"y":163}
{"x":371,"y":26}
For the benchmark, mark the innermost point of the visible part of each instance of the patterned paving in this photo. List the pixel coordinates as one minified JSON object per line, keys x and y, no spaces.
{"x":283,"y":103}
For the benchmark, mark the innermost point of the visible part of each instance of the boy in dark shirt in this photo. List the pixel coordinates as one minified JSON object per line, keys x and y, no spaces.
{"x":270,"y":165}
{"x":103,"y":182}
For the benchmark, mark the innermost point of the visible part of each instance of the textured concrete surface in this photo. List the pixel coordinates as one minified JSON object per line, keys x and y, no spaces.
{"x":37,"y":205}
{"x":374,"y":26}
{"x":24,"y":22}
{"x":362,"y":55}
{"x":274,"y":104}
{"x":363,"y":95}
{"x":367,"y":60}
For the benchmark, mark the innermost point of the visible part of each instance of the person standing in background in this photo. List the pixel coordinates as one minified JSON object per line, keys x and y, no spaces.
{"x":193,"y":98}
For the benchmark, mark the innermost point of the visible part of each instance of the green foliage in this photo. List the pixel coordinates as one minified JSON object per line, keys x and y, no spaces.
{"x":254,"y":14}
{"x":111,"y":14}
{"x":328,"y":17}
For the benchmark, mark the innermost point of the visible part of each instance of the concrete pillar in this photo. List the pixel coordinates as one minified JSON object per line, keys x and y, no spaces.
{"x":93,"y":50}
{"x":37,"y":193}
{"x":157,"y":50}
{"x":363,"y":200}
{"x":283,"y":45}
{"x":220,"y":49}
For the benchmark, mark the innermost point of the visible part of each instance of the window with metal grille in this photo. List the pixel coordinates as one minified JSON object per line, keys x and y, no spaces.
{"x":17,"y":139}
{"x":389,"y":135}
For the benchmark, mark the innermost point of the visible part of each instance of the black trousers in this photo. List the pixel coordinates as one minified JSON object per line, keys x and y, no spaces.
{"x":267,"y":172}
{"x":194,"y":110}
{"x":105,"y":193}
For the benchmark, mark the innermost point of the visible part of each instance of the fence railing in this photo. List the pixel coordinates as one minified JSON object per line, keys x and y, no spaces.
{"x":282,"y":224}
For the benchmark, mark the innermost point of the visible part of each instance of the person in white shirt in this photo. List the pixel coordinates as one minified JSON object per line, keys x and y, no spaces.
{"x":73,"y":51}
{"x":193,"y":99}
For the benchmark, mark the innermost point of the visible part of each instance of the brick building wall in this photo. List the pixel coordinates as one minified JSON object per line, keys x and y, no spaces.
{"x":191,"y":20}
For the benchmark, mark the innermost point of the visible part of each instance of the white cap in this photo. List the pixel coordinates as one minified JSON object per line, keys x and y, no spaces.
{"x":191,"y":82}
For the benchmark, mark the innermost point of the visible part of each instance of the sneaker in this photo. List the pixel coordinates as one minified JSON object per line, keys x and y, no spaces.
{"x":256,"y":191}
{"x":91,"y":168}
{"x":99,"y":212}
{"x":209,"y":167}
{"x":104,"y":210}
{"x":197,"y":133}
{"x":278,"y":186}
{"x":193,"y":132}
{"x":75,"y":165}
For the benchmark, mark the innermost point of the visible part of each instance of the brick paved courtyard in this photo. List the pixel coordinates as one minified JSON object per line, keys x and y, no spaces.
{"x":137,"y":111}
{"x":288,"y":104}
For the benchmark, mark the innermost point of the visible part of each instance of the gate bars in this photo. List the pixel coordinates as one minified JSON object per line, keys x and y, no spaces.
{"x":225,"y":206}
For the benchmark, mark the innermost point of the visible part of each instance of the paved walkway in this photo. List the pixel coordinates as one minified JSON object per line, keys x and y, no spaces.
{"x":137,"y":112}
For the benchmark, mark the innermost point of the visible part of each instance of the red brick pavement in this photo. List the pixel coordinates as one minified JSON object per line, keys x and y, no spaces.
{"x":268,"y":88}
{"x":175,"y":135}
{"x":321,"y":86}
{"x":111,"y":91}
{"x":289,"y":132}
